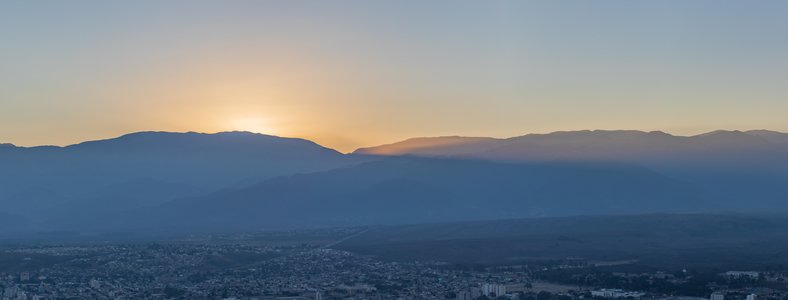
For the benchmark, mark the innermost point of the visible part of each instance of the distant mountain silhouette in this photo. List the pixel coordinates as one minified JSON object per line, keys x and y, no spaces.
{"x":39,"y":180}
{"x":729,"y":165}
{"x":437,"y":146}
{"x":615,"y":145}
{"x":414,"y":190}
{"x":160,"y":181}
{"x":771,"y":136}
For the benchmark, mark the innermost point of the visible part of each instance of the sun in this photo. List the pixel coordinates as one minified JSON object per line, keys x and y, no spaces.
{"x":255,"y":124}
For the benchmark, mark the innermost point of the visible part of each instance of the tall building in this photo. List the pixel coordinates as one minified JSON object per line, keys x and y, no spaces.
{"x":10,"y":292}
{"x":464,"y":295}
{"x":476,"y":292}
{"x":717,"y":296}
{"x":752,"y":297}
{"x":494,"y":290}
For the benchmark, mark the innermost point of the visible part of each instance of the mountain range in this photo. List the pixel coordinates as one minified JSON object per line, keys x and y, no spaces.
{"x":411,"y":190}
{"x":165,"y":181}
{"x":148,"y":168}
{"x":631,"y":146}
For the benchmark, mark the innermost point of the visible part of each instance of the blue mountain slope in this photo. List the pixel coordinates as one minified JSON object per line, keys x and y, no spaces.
{"x":40,"y":179}
{"x":412,"y":190}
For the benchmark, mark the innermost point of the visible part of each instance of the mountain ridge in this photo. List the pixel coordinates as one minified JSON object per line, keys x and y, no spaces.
{"x":139,"y":135}
{"x":630,"y":145}
{"x":246,"y":180}
{"x":35,"y":181}
{"x":446,"y":140}
{"x":401,"y":190}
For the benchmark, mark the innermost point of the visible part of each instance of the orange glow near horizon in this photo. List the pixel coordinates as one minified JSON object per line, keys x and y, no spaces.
{"x":255,"y":124}
{"x":356,"y":75}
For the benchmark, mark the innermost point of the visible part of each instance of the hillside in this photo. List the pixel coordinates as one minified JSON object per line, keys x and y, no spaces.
{"x":148,"y":168}
{"x":599,"y":145}
{"x":414,"y":190}
{"x":743,"y":171}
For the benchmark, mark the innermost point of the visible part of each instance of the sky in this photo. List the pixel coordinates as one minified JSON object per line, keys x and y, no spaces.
{"x":348,"y":74}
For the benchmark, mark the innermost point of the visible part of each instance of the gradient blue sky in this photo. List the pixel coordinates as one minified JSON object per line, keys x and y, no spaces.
{"x":358,"y":73}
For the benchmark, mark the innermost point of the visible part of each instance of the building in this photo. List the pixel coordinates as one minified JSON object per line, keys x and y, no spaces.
{"x":464,"y":295}
{"x":493,"y":290}
{"x":717,"y":296}
{"x":752,"y":297}
{"x":476,"y":292}
{"x":94,"y":284}
{"x":616,"y":293}
{"x":11,"y":292}
{"x":744,"y":274}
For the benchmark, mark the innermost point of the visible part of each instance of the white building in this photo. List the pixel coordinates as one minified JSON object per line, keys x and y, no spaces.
{"x":490,"y":289}
{"x":750,"y":274}
{"x":616,"y":293}
{"x":10,"y":292}
{"x":464,"y":295}
{"x":752,"y":297}
{"x":717,"y":296}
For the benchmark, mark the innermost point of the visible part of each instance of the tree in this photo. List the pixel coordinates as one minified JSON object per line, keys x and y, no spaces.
{"x":544,"y":296}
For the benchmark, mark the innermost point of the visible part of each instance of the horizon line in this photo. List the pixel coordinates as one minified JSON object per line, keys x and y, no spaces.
{"x":2,"y":143}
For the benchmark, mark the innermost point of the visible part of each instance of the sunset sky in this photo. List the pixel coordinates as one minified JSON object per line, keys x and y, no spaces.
{"x":358,"y":73}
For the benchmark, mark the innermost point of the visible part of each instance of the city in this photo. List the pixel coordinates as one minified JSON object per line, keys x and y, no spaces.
{"x":267,"y":266}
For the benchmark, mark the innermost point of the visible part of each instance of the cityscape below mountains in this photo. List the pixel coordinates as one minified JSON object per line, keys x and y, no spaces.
{"x":393,"y":150}
{"x":564,"y":215}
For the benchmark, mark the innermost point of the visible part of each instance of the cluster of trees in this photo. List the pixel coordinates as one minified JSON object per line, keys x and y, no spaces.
{"x":696,"y":284}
